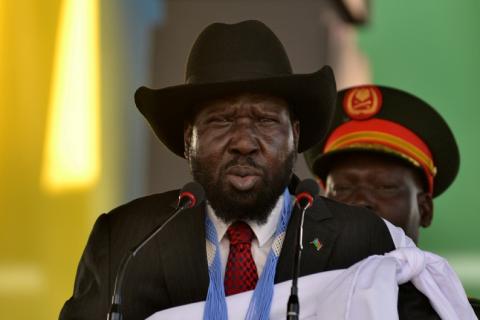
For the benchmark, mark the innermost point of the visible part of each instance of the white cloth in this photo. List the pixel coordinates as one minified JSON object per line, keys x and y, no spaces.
{"x":366,"y":290}
{"x":400,"y":239}
{"x":261,"y":244}
{"x":431,"y":275}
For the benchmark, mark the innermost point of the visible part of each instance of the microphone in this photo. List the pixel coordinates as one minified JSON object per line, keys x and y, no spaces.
{"x":191,"y":195}
{"x":305,"y":192}
{"x":304,"y":196}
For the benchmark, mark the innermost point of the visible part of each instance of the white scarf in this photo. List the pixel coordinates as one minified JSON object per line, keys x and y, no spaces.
{"x":367,"y":290}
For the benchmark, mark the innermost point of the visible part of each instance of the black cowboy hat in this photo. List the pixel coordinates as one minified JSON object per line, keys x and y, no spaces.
{"x":408,"y":111}
{"x":243,"y":57}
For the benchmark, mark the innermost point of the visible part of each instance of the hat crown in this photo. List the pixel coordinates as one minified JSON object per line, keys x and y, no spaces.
{"x":232,"y":52}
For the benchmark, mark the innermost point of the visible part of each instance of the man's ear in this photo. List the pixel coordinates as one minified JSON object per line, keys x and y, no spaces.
{"x":187,"y":140}
{"x":425,"y":205}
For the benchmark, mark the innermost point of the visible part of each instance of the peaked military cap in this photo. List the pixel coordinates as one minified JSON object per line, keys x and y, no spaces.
{"x":390,"y":121}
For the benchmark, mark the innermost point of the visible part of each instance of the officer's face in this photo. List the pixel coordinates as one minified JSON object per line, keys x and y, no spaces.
{"x":385,"y":185}
{"x":242,"y":150}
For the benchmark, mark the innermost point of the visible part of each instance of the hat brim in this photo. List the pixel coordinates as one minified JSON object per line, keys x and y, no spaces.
{"x":311,"y":98}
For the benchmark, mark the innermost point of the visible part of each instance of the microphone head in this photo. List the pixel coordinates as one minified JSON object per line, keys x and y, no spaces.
{"x":306,"y":191}
{"x":191,"y":195}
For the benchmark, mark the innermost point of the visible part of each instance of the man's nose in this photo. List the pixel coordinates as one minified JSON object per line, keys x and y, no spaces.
{"x":244,"y":139}
{"x":362,"y":197}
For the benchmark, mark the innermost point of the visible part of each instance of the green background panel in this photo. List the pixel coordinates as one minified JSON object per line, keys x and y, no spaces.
{"x":432,"y":49}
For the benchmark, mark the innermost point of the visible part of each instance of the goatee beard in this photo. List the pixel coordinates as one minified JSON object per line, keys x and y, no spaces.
{"x":254,"y":205}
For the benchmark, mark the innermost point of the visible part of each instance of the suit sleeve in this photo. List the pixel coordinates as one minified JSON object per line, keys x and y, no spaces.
{"x":90,"y":297}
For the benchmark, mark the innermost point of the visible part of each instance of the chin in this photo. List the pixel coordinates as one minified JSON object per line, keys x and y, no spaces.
{"x":231,"y":204}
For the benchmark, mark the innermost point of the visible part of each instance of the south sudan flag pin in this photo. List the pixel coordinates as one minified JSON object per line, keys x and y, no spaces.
{"x":317,"y":244}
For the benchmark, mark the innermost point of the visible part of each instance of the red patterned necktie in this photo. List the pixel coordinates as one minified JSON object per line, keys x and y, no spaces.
{"x":241,"y":271}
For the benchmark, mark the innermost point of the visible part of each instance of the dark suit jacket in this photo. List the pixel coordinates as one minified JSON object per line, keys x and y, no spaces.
{"x":172,"y":269}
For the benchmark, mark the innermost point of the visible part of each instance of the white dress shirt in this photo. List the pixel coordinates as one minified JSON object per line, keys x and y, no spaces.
{"x":261,"y":244}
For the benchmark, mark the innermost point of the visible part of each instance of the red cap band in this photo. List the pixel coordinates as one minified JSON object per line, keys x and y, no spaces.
{"x":386,"y":136}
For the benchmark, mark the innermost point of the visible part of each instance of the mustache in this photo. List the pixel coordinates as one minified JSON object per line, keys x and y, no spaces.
{"x":243,"y":161}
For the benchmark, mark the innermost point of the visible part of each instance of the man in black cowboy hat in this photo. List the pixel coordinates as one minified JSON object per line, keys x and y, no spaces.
{"x":389,"y":151}
{"x":239,"y":120}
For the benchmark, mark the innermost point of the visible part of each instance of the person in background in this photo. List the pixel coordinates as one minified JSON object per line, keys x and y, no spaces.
{"x":389,"y":151}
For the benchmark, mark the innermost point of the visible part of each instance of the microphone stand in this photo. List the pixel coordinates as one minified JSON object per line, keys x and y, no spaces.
{"x":115,"y":312}
{"x":293,"y":306}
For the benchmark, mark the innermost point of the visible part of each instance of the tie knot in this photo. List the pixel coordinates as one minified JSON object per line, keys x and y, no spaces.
{"x":239,"y":232}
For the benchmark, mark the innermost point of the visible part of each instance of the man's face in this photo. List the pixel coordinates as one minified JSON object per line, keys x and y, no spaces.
{"x":242,"y":150}
{"x":388,"y":186}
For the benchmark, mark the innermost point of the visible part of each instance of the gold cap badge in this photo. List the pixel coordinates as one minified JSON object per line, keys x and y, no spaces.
{"x":362,"y":103}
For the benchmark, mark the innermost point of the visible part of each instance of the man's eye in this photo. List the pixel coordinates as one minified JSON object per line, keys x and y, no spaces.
{"x":218,"y":120}
{"x":266,"y":120}
{"x":387,"y":188}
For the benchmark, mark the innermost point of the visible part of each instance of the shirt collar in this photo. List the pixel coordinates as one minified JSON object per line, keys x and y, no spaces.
{"x":263,"y":232}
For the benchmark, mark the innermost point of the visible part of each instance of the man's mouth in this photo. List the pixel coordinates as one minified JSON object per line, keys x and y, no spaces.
{"x":242,"y":177}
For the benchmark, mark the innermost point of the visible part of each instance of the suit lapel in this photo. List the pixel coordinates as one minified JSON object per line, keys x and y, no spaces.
{"x":319,"y":235}
{"x":185,"y":264}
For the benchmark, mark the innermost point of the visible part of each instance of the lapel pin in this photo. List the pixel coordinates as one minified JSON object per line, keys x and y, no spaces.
{"x":317,"y":244}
